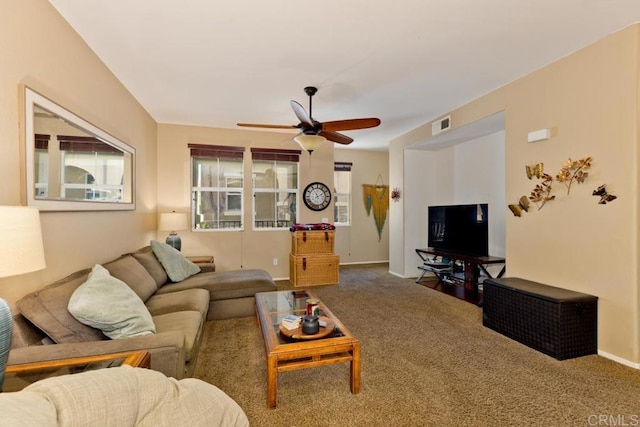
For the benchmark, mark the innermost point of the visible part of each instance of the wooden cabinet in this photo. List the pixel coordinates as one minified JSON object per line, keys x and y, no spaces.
{"x":312,"y":261}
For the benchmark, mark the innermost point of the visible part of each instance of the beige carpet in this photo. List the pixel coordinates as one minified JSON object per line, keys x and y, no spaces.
{"x":426,"y":361}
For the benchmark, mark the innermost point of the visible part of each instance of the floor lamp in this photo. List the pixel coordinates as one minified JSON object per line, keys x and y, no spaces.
{"x":21,"y":252}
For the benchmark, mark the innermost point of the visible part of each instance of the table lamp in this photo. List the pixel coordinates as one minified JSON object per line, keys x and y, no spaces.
{"x":21,"y":252}
{"x":172,"y":221}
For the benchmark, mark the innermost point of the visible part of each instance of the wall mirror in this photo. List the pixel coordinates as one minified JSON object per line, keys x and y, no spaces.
{"x":71,"y":165}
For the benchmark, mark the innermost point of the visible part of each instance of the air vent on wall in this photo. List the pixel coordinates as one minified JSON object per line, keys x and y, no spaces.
{"x":440,"y":125}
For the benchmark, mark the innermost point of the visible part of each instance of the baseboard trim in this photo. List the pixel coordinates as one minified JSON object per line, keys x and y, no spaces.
{"x":400,"y":275}
{"x":345,"y":263}
{"x":364,"y":262}
{"x":619,"y":359}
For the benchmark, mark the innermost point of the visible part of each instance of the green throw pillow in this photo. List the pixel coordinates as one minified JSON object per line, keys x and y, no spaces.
{"x":175,"y":264}
{"x":106,"y":303}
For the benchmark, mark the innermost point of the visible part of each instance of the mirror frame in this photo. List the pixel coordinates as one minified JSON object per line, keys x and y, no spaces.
{"x":31,"y":99}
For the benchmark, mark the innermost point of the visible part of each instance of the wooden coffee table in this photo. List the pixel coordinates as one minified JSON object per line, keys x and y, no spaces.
{"x":284,"y":354}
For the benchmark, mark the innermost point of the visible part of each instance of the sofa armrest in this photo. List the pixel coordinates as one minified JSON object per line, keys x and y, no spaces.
{"x":166,"y":350}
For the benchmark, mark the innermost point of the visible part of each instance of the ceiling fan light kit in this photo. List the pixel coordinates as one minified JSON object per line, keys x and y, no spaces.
{"x":312,"y":132}
{"x":310,"y":142}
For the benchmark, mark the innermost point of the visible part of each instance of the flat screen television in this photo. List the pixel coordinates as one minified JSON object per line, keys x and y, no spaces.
{"x":462,"y":229}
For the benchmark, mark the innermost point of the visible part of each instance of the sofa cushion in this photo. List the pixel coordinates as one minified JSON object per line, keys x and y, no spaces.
{"x":108,"y":304}
{"x":187,"y":300}
{"x":131,"y":272}
{"x":47,"y":310}
{"x":189,"y":323}
{"x":147,"y":258}
{"x":226,"y":284}
{"x":175,"y":264}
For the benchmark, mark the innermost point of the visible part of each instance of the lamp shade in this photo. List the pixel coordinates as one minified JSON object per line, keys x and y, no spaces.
{"x":310,"y":142}
{"x":22,"y":250}
{"x":173,"y":221}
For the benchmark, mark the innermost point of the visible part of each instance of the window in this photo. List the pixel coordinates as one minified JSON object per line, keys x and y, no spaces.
{"x":342,"y":196}
{"x":216,"y":186}
{"x":275,"y":187}
{"x":90,"y":169}
{"x":41,"y":165}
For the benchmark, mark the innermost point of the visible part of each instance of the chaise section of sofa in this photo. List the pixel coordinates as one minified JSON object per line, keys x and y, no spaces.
{"x":231,"y":293}
{"x":178,"y":310}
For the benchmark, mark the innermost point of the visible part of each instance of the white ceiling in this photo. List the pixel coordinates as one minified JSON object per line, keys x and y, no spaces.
{"x":216,"y":63}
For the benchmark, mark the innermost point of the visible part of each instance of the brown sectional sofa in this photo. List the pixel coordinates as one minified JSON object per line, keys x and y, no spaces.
{"x":179,"y":311}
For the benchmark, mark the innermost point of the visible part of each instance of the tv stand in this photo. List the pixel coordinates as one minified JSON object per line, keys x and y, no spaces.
{"x":473,"y":266}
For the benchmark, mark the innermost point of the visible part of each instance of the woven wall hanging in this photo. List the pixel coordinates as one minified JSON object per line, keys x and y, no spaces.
{"x":376,"y":198}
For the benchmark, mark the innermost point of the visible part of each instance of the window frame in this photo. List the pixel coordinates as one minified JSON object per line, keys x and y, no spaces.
{"x":342,"y":167}
{"x":274,"y":156}
{"x":218,"y":153}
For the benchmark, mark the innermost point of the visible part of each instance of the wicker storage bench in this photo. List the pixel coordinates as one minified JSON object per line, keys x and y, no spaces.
{"x":312,"y":261}
{"x":558,"y":322}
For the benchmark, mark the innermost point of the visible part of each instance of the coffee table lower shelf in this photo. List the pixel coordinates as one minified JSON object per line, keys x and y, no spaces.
{"x":277,"y":363}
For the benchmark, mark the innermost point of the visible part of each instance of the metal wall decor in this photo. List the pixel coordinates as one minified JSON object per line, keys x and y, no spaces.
{"x":604,"y":196}
{"x":395,"y":194}
{"x":522,"y":205}
{"x":570,"y":172}
{"x":574,"y":171}
{"x":541,"y":193}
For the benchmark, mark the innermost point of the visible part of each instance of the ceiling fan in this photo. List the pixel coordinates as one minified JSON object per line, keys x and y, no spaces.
{"x":313,"y":132}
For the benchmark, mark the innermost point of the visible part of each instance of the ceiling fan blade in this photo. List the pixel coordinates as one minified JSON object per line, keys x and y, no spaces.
{"x":301,"y":114}
{"x":254,"y":125}
{"x":337,"y":137}
{"x":350,"y":124}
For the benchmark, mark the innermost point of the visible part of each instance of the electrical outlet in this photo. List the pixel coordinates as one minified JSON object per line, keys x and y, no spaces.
{"x":275,"y":261}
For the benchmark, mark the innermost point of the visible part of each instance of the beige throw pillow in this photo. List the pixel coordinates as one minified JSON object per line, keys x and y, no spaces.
{"x":106,"y":303}
{"x":175,"y":264}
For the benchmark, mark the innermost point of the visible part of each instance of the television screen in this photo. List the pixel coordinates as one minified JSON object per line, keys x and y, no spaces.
{"x":462,"y":229}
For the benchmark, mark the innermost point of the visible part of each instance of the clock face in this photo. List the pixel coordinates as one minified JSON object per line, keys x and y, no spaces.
{"x":317,"y":196}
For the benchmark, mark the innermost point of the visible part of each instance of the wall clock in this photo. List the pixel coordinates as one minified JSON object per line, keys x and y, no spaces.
{"x":317,"y":196}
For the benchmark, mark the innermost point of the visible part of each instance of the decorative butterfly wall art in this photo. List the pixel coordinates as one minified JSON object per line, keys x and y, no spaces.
{"x":536,"y":170}
{"x":523,"y":205}
{"x":604,"y":196}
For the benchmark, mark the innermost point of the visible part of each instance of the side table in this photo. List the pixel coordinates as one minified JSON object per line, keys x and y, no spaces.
{"x":205,"y":262}
{"x":17,"y":377}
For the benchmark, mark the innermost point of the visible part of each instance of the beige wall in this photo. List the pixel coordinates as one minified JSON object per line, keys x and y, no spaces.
{"x":590,"y":100}
{"x":235,"y":249}
{"x":39,"y":49}
{"x":257,"y":249}
{"x":359,"y":242}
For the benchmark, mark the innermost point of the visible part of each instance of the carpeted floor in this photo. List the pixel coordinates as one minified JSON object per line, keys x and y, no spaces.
{"x":426,"y":361}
